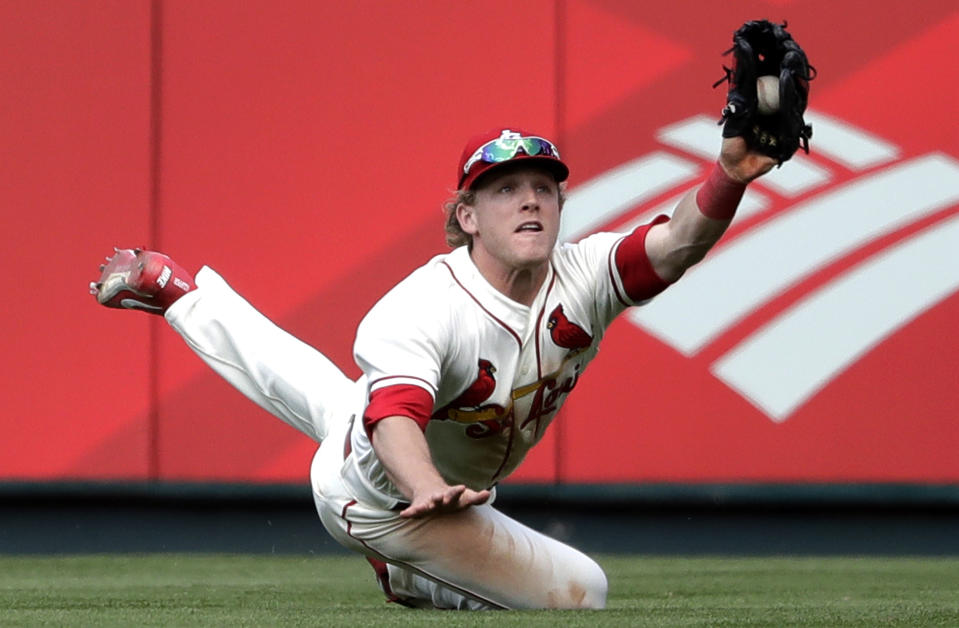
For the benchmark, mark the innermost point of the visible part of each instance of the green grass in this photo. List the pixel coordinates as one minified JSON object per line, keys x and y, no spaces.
{"x":213,"y":590}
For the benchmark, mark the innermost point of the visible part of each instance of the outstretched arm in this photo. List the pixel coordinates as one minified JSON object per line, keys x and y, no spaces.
{"x":704,"y":213}
{"x":774,"y":127}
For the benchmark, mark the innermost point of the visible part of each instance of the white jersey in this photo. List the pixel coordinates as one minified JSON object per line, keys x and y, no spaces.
{"x":498,"y":371}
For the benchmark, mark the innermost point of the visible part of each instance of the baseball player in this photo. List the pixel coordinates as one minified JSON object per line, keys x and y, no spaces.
{"x":468,"y":359}
{"x":465,"y":363}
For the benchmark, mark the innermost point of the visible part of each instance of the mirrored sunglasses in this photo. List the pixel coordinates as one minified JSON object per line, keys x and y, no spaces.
{"x":505,"y":148}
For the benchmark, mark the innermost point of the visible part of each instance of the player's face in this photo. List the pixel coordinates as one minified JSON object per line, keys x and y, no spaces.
{"x":515,"y":218}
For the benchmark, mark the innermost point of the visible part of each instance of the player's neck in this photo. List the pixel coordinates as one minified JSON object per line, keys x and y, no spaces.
{"x":518,"y":284}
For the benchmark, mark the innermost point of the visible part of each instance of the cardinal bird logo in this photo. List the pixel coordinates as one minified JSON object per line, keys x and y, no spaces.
{"x":566,"y":333}
{"x":480,"y":390}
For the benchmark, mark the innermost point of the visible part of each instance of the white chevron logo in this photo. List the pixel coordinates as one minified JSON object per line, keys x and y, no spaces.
{"x":800,"y":350}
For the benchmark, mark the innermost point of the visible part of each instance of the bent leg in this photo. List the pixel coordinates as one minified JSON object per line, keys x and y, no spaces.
{"x":280,"y":373}
{"x":482,"y":555}
{"x":477,"y":558}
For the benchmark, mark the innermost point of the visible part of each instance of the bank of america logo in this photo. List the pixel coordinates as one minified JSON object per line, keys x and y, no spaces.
{"x":821,"y":218}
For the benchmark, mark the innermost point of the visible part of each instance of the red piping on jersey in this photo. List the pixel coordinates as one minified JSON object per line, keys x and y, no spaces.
{"x":434,"y":578}
{"x":539,"y":363}
{"x":509,"y":444}
{"x":539,"y":319}
{"x":482,"y":307}
{"x":419,"y":379}
{"x":612,"y":275}
{"x":539,"y":376}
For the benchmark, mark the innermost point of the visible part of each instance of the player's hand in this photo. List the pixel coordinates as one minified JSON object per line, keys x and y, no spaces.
{"x":741,"y":163}
{"x":136,"y":279}
{"x":444,"y":500}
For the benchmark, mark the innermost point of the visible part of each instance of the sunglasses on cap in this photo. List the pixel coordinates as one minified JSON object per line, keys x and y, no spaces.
{"x":506,"y":147}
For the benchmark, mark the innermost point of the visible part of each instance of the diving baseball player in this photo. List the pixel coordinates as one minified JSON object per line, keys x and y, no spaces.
{"x":467,"y":360}
{"x":465,"y":364}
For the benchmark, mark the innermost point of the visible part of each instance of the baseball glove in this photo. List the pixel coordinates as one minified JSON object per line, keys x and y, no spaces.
{"x":761,"y":48}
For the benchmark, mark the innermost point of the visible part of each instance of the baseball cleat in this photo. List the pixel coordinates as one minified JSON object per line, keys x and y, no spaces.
{"x":383,"y":580}
{"x":136,"y":279}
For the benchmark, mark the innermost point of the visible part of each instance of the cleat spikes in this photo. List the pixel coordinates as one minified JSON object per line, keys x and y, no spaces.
{"x":140,"y":279}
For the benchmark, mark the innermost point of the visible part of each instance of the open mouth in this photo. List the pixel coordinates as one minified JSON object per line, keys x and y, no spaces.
{"x":531,"y":226}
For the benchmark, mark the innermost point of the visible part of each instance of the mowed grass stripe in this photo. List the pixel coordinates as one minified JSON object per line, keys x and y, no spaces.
{"x":256,"y":590}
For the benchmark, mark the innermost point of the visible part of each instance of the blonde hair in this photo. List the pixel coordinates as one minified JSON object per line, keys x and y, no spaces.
{"x":455,"y":236}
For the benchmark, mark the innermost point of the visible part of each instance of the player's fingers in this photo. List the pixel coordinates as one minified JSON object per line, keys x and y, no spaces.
{"x":452,"y":494}
{"x":475,"y":498}
{"x":419,"y":509}
{"x":449,"y":500}
{"x":411,"y":512}
{"x":757,"y":165}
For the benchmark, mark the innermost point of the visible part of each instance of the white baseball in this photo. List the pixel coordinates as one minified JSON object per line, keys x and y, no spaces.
{"x":767,"y":91}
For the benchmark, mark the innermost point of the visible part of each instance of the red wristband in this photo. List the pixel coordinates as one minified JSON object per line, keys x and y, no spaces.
{"x":719,"y":196}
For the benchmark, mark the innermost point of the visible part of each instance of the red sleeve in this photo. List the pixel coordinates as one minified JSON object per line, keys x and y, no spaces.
{"x":636,"y":271}
{"x":399,"y":400}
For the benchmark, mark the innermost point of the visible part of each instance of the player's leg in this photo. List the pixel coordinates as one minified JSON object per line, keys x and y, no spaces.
{"x":282,"y":374}
{"x":477,"y":558}
{"x":480,"y":558}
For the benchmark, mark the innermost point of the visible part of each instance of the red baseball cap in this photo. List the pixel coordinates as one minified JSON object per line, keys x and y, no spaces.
{"x":491,"y":149}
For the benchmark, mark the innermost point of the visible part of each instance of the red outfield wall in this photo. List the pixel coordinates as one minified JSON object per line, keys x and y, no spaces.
{"x":303,"y":149}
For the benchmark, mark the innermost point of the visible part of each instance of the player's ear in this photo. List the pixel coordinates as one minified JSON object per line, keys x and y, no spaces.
{"x":466,"y":215}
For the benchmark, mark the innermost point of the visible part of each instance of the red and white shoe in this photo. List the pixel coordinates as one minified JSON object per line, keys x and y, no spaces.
{"x":383,"y":579}
{"x":135,"y":279}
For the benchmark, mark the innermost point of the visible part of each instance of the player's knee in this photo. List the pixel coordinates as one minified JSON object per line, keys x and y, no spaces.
{"x":587,"y":589}
{"x":596,"y":586}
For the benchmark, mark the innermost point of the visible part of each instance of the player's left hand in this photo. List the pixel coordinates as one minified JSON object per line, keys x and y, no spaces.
{"x":741,"y":163}
{"x":444,"y":500}
{"x":764,"y":49}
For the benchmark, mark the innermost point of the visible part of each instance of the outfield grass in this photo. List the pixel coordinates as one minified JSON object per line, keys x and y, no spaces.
{"x":179,"y":590}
